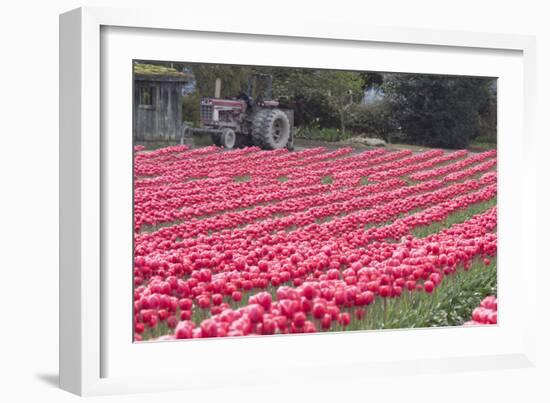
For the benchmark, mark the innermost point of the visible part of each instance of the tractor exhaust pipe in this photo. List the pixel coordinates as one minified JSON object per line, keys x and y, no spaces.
{"x":218,"y":88}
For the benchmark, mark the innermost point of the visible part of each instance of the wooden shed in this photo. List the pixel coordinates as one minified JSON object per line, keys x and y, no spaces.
{"x":157,"y":102}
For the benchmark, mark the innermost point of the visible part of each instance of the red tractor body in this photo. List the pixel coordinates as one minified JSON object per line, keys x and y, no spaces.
{"x":244,"y":121}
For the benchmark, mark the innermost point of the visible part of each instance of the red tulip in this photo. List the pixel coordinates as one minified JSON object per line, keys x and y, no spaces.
{"x":318,"y":310}
{"x":385,"y":291}
{"x":185,"y":315}
{"x":255,"y":313}
{"x":309,"y":327}
{"x":326,"y":322}
{"x":344,"y":319}
{"x":209,"y":328}
{"x":204,"y":302}
{"x":428,"y":286}
{"x":139,"y":328}
{"x":184,"y":330}
{"x":340,"y":297}
{"x":216,"y":237}
{"x":236,"y":296}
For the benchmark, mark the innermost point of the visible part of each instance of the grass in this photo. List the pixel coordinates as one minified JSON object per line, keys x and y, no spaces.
{"x":282,"y":179}
{"x":481,"y":146}
{"x":450,"y":304}
{"x":412,"y":147}
{"x":409,"y":181}
{"x":454,"y":218}
{"x":326,"y":180}
{"x":242,"y":178}
{"x":147,"y":229}
{"x":325,"y":219}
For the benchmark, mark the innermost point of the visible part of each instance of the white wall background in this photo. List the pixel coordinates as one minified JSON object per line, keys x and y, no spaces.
{"x":29,"y":201}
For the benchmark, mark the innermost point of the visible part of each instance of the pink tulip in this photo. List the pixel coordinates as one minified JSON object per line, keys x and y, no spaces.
{"x":323,"y":250}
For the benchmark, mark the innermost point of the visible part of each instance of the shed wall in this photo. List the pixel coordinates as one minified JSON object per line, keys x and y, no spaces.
{"x":160,"y":121}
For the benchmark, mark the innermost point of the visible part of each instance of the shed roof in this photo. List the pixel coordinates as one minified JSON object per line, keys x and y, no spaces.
{"x":155,"y":72}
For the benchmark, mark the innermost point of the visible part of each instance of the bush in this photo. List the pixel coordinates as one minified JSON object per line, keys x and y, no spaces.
{"x":437,"y":111}
{"x":191,"y":109}
{"x":374,"y":120}
{"x":314,"y":132}
{"x":487,"y":132}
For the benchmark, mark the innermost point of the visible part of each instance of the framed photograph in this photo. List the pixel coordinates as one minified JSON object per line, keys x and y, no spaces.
{"x":319,"y":202}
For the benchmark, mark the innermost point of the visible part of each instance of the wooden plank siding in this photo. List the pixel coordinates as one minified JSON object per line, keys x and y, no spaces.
{"x":162,"y":119}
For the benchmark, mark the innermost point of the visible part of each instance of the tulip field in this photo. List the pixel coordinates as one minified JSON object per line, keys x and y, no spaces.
{"x":250,"y":242}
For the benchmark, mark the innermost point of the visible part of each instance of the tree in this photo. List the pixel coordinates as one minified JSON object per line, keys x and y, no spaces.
{"x":234,"y":78}
{"x":437,"y":111}
{"x":374,"y":120}
{"x":318,"y":94}
{"x":488,"y":118}
{"x":342,"y":87}
{"x":323,"y":97}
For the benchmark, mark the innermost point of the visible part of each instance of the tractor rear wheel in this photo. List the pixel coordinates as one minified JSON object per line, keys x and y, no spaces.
{"x":270,"y":129}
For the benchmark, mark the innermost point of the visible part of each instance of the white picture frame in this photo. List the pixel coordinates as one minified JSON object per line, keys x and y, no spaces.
{"x":90,"y":336}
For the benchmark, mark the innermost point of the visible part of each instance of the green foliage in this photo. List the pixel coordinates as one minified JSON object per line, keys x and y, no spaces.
{"x":372,"y":79}
{"x":481,"y":146}
{"x":234,"y":79}
{"x":148,"y":69}
{"x":323,"y":97}
{"x":456,"y":217}
{"x":437,"y":111}
{"x":374,"y":120}
{"x":326,"y":180}
{"x":426,"y":110}
{"x":451,"y":303}
{"x":242,"y":178}
{"x":488,"y":121}
{"x":315,"y":132}
{"x":329,"y":99}
{"x":191,"y":108}
{"x":312,"y":112}
{"x":341,"y":87}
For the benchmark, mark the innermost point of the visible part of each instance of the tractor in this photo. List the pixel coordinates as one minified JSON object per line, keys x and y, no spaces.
{"x":250,"y":118}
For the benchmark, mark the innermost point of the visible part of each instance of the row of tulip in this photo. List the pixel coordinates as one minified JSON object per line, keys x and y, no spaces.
{"x":266,"y":256}
{"x":486,"y":313}
{"x":454,"y":167}
{"x":170,"y":205}
{"x":157,"y":203}
{"x":331,"y":302}
{"x":380,"y":207}
{"x":408,"y":169}
{"x":231,"y":269}
{"x":260,"y":175}
{"x":204,"y":301}
{"x":241,"y":163}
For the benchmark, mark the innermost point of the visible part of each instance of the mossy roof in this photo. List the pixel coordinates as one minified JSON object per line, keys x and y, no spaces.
{"x":158,"y":72}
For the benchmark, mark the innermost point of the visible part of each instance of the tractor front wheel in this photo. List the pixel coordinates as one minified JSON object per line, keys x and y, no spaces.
{"x":228,"y":138}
